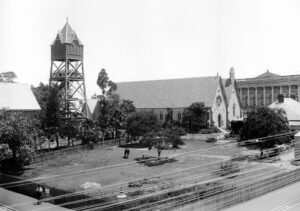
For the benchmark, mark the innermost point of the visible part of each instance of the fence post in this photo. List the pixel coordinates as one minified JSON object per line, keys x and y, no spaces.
{"x":297,"y":146}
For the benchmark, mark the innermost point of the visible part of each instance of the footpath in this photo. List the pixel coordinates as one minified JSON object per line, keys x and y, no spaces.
{"x":25,"y":203}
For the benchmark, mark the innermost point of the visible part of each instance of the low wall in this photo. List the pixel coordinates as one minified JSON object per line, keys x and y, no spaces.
{"x":203,"y":136}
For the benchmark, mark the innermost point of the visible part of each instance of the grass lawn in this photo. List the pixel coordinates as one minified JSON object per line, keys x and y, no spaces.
{"x":131,"y":170}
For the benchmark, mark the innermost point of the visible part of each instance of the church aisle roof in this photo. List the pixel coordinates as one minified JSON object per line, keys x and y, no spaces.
{"x":17,"y":96}
{"x":170,"y":93}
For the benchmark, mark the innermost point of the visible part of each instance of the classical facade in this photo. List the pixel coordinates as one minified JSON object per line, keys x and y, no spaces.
{"x":264,"y":89}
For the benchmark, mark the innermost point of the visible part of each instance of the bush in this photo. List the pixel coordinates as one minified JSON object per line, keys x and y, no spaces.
{"x":211,"y":129}
{"x":211,"y":140}
{"x":229,"y":168}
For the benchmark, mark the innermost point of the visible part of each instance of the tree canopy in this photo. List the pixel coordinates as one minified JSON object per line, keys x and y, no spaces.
{"x":19,"y":135}
{"x":195,"y":117}
{"x":8,"y":77}
{"x":141,"y":123}
{"x":264,"y":122}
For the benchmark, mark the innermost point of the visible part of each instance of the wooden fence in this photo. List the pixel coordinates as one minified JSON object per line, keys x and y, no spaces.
{"x":74,"y":149}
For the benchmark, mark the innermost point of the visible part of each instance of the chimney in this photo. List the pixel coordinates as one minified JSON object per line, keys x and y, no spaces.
{"x":231,"y":75}
{"x":280,"y":98}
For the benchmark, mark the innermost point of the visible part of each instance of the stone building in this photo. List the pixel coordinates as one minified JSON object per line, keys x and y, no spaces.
{"x":218,"y":95}
{"x":264,"y":89}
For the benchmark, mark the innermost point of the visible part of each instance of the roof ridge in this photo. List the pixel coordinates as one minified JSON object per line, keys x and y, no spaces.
{"x":168,"y":79}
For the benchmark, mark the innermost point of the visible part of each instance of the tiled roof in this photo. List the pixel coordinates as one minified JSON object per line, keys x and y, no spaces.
{"x":67,"y":35}
{"x":171,"y":93}
{"x":16,"y":96}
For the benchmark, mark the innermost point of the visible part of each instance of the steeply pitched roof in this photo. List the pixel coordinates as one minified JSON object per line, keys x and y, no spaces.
{"x":228,"y":87}
{"x":16,"y":96}
{"x":171,"y":93}
{"x":67,"y":35}
{"x":268,"y":75}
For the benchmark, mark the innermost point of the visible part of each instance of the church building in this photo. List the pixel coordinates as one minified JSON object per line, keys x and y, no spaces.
{"x":218,"y":95}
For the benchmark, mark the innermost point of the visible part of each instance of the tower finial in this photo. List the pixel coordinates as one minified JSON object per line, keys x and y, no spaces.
{"x":67,"y":19}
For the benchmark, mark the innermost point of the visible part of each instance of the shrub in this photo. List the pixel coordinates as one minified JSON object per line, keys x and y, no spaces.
{"x":211,"y":140}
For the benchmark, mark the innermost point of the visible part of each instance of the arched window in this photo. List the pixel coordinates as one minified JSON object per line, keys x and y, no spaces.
{"x":233,"y":109}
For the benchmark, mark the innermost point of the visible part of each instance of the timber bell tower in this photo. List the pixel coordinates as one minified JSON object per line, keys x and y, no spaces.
{"x":67,"y":72}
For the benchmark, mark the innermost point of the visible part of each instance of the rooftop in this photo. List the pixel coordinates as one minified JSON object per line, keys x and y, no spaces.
{"x":18,"y":97}
{"x":170,"y":93}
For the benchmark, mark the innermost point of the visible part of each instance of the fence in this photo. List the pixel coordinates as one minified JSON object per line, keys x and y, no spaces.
{"x":245,"y":192}
{"x":74,"y":149}
{"x":203,"y":136}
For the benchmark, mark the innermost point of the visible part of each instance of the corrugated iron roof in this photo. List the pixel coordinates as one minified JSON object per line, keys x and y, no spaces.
{"x":171,"y":93}
{"x":17,"y":96}
{"x":290,"y":106}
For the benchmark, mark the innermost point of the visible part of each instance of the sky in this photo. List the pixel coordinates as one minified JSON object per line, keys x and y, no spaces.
{"x":153,"y":39}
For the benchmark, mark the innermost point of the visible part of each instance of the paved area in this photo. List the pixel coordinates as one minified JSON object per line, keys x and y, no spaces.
{"x":25,"y":203}
{"x":284,"y":199}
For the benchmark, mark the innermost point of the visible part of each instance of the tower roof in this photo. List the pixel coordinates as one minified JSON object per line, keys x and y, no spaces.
{"x":67,"y":35}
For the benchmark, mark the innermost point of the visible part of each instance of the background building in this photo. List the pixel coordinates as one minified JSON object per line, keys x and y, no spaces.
{"x":17,"y":97}
{"x":218,"y":95}
{"x":264,"y":89}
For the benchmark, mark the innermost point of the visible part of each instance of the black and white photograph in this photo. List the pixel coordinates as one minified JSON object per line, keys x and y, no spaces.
{"x":149,"y":105}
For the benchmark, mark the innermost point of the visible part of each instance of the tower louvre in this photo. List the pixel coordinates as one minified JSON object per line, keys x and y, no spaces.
{"x":67,"y":71}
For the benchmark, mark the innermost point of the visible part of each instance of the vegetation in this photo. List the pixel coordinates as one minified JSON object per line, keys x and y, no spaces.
{"x":264,"y":122}
{"x":19,"y":136}
{"x":142,"y":123}
{"x":195,"y":117}
{"x":8,"y":77}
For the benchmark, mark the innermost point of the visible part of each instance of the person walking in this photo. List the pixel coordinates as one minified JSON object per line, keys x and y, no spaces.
{"x":39,"y":192}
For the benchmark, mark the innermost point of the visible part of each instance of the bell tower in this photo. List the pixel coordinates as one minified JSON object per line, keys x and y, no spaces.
{"x":67,"y":71}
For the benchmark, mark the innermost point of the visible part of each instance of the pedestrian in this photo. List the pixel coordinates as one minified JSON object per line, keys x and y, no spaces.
{"x":39,"y":192}
{"x":126,"y":153}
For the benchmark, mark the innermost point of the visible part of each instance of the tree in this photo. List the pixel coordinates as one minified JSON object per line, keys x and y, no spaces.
{"x":142,"y":123}
{"x":195,"y":117}
{"x":19,"y":134}
{"x":88,"y":131}
{"x":107,"y":86}
{"x":8,"y":77}
{"x":48,"y":99}
{"x":108,"y":118}
{"x":41,"y":94}
{"x":163,"y":138}
{"x":264,"y":122}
